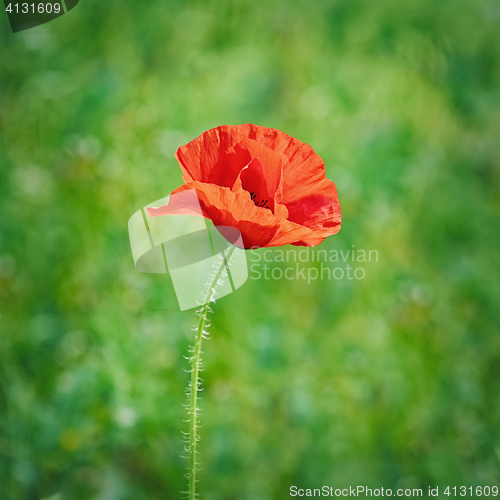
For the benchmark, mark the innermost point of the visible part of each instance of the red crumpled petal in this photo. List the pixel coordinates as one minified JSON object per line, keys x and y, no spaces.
{"x":258,"y":226}
{"x":228,"y":167}
{"x":198,"y":157}
{"x":303,"y":169}
{"x":271,"y":165}
{"x":231,"y":163}
{"x":318,"y":211}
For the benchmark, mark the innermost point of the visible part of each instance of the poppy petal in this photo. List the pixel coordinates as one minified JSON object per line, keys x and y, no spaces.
{"x":198,"y":157}
{"x":225,"y":208}
{"x":226,"y":170}
{"x":253,"y":181}
{"x":317,"y":211}
{"x":273,"y":163}
{"x":258,"y":226}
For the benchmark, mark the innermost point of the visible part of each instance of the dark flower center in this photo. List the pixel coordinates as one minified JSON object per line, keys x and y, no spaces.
{"x":261,"y":203}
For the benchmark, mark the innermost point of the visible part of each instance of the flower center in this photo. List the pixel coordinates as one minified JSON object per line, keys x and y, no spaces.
{"x":261,"y":203}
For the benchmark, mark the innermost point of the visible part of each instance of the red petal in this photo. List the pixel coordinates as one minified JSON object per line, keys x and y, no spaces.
{"x":303,"y":169}
{"x":271,"y":164}
{"x":253,"y":181}
{"x":225,"y":208}
{"x":258,"y":226}
{"x":226,"y":170}
{"x":319,"y":211}
{"x":198,"y":157}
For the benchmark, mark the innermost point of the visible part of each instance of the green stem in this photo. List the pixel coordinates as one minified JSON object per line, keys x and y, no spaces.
{"x":195,"y":371}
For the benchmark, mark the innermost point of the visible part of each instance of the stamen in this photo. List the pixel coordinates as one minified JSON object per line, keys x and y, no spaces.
{"x":262,"y":203}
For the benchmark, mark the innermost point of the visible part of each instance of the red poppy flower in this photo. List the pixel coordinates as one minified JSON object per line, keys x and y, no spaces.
{"x":259,"y":180}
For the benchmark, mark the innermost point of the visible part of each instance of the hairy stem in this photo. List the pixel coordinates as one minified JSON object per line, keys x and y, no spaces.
{"x":194,"y":386}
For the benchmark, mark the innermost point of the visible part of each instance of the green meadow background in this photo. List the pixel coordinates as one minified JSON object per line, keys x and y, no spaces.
{"x":391,"y":381}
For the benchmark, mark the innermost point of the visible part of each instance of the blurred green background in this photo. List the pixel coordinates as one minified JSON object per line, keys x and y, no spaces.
{"x":389,"y":381}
